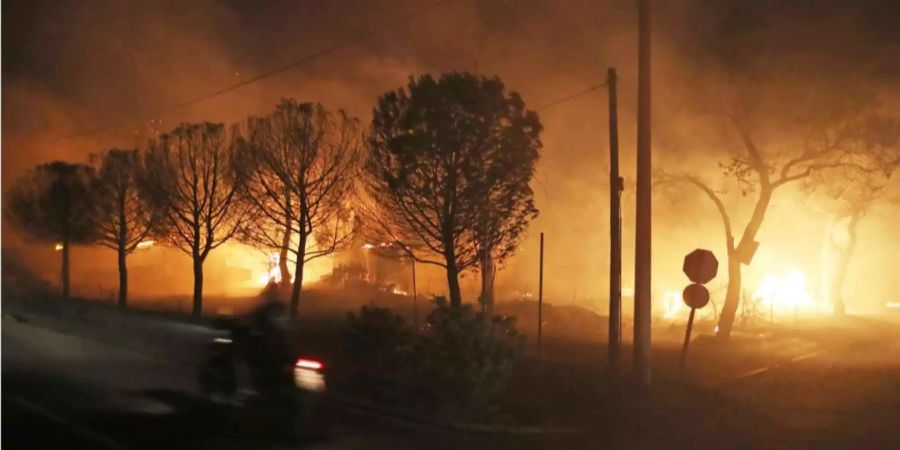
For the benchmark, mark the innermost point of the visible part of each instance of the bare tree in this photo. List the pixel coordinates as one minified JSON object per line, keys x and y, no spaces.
{"x":124,"y":217}
{"x":303,"y":162}
{"x":856,"y":189}
{"x":52,"y":203}
{"x":441,"y":152}
{"x":193,"y":179}
{"x":763,"y":171}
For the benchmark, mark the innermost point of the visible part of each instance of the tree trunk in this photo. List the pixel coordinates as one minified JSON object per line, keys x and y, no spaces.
{"x":283,"y":259}
{"x":840,"y":276}
{"x":487,"y":283}
{"x":732,"y":296}
{"x":123,"y":279}
{"x":298,"y":276}
{"x":452,"y":274}
{"x":65,"y":269}
{"x":285,"y":245}
{"x":198,"y":288}
{"x":453,"y":285}
{"x":122,"y":241}
{"x":735,"y":255}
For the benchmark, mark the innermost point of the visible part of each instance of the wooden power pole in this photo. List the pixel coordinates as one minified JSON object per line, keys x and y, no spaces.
{"x":415,"y":297}
{"x":643,"y":232}
{"x":615,"y":231}
{"x":541,"y":299}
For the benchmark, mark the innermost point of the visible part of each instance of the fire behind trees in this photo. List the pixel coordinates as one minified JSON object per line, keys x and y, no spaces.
{"x":124,"y":218}
{"x":855,"y":189}
{"x":193,"y":181}
{"x":842,"y":137}
{"x":449,"y":170}
{"x":52,"y":204}
{"x":301,"y":163}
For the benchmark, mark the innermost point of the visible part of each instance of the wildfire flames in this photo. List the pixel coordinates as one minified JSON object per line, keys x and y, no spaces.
{"x":788,"y":291}
{"x":671,"y":304}
{"x":272,"y":273}
{"x":144,"y":245}
{"x":777,"y":293}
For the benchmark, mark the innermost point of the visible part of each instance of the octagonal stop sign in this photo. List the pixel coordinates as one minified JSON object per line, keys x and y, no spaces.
{"x":700,"y":266}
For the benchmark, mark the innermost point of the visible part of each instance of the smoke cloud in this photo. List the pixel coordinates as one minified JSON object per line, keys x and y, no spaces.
{"x":111,"y":66}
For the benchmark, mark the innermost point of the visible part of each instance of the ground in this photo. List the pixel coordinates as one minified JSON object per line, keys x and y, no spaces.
{"x":825,"y":385}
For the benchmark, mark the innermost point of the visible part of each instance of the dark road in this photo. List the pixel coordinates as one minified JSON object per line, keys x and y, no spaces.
{"x":79,"y":393}
{"x":62,"y":391}
{"x":65,"y":392}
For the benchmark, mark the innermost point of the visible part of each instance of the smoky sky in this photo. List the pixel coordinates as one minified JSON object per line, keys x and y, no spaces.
{"x":109,"y":59}
{"x":72,"y":66}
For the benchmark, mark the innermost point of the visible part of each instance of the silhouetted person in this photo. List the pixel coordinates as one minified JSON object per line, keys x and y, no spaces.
{"x":268,"y":352}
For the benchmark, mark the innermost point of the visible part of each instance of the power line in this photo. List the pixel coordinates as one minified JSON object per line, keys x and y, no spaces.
{"x":296,"y":63}
{"x":570,"y":97}
{"x":267,"y":74}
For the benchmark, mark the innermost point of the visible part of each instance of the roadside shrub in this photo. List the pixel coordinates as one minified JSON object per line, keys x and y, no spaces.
{"x":379,"y":348}
{"x":467,"y":360}
{"x":458,"y":365}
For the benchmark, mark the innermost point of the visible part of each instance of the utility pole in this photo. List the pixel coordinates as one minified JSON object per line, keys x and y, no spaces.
{"x":615,"y":231}
{"x":643,"y":233}
{"x":415,"y":297}
{"x":541,"y":299}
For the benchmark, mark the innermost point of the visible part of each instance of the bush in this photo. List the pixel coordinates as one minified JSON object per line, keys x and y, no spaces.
{"x":379,"y":347}
{"x":459,"y":364}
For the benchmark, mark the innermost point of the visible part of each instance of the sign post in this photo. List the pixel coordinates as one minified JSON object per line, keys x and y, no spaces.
{"x":700,"y":266}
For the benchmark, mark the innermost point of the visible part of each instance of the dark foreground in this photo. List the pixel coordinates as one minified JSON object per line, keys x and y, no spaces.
{"x":838,"y":392}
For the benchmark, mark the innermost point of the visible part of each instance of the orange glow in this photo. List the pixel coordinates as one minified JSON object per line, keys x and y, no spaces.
{"x":671,"y":304}
{"x":787,"y":293}
{"x":273,"y":273}
{"x":58,"y":247}
{"x":144,"y":245}
{"x":399,"y":291}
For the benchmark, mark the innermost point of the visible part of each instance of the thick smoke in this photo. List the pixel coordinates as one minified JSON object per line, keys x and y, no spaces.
{"x":70,"y":68}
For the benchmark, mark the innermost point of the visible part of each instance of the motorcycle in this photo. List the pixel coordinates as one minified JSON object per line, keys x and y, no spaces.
{"x":244,"y":368}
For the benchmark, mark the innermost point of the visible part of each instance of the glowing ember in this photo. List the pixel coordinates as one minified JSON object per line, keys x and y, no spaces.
{"x":272,"y":273}
{"x":263,"y":279}
{"x":144,"y":245}
{"x":399,"y":291}
{"x":671,"y":304}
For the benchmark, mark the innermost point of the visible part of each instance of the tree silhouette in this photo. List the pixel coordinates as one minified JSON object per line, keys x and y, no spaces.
{"x":762,"y":171}
{"x":302,"y":162}
{"x":449,"y":169}
{"x":124,"y":217}
{"x":856,"y":189}
{"x":52,"y":204}
{"x":192,"y":181}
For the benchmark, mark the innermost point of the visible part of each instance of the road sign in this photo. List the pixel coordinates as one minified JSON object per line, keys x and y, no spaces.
{"x":695,"y":295}
{"x":745,"y":252}
{"x":700,"y":266}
